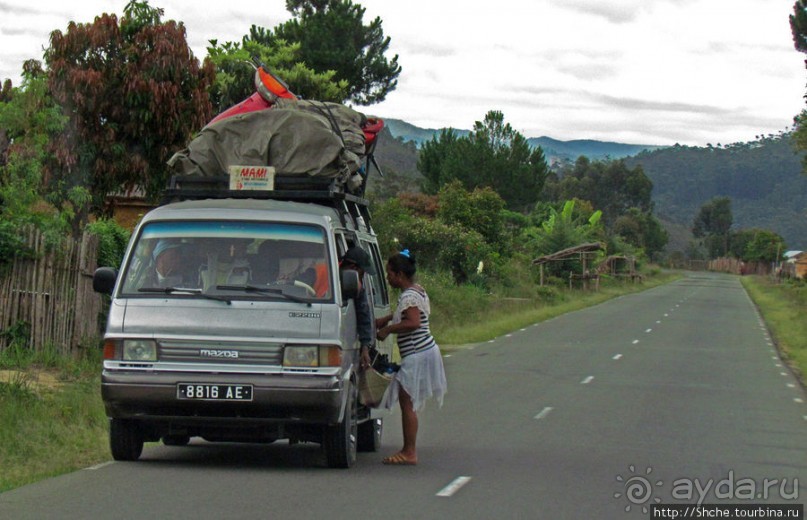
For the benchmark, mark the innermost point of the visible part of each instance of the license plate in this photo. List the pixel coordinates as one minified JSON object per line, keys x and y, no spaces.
{"x":214,"y":392}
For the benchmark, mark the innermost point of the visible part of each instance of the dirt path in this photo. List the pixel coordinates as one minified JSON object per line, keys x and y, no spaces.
{"x":36,"y":378}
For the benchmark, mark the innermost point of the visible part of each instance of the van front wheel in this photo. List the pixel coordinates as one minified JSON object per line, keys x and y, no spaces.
{"x":340,"y":439}
{"x":125,"y":439}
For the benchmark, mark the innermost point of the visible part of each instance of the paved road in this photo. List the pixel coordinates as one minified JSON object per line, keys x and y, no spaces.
{"x":652,"y":397}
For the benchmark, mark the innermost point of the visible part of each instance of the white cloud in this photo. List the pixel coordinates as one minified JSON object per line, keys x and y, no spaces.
{"x":643,"y":71}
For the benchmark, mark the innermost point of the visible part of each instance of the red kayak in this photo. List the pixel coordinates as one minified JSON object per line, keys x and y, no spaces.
{"x":268,"y":88}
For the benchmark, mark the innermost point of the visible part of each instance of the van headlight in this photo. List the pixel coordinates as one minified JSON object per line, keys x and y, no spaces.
{"x":139,"y":350}
{"x":309,"y":356}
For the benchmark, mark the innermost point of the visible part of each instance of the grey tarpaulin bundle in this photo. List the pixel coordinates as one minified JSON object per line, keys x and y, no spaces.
{"x":297,"y":138}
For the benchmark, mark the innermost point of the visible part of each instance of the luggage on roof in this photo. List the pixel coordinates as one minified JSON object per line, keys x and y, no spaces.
{"x":296,"y":138}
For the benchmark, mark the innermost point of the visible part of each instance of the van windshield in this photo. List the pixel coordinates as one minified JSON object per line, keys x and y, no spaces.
{"x":230,"y":260}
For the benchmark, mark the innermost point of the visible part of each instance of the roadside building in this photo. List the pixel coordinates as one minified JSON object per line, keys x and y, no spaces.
{"x":800,"y":261}
{"x":795,"y":264}
{"x":128,"y":207}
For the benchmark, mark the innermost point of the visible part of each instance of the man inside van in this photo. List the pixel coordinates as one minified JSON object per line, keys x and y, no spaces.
{"x":168,"y":266}
{"x":357,"y":259}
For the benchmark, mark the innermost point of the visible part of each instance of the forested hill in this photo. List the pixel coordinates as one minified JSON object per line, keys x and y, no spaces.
{"x":554,"y":149}
{"x":594,"y":150}
{"x":762,"y":178}
{"x":409,"y":132}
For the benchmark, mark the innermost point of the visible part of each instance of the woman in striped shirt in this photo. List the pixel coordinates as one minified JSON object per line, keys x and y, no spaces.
{"x":421,"y":375}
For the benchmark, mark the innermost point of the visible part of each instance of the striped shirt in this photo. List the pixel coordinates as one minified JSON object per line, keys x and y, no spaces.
{"x":421,"y":338}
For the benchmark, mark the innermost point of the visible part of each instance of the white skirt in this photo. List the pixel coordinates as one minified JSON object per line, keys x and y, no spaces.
{"x":421,"y":376}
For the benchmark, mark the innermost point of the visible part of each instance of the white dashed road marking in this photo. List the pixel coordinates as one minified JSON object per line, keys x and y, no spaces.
{"x":452,"y":488}
{"x":543,"y":413}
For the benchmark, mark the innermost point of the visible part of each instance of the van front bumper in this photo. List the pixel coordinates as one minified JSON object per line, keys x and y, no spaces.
{"x":276,"y":398}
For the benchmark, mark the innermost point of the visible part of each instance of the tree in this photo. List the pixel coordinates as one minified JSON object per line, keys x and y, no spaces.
{"x":494,"y":155}
{"x":5,"y":92}
{"x":713,"y":223}
{"x":433,"y":155}
{"x":332,"y":36}
{"x":235,"y":77}
{"x":714,"y":218}
{"x":641,"y":229}
{"x":30,"y":120}
{"x":764,"y":246}
{"x":798,"y":27}
{"x":739,"y":240}
{"x":133,"y":94}
{"x":610,"y":186}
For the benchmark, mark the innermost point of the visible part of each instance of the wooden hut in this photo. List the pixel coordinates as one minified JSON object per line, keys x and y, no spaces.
{"x":585,"y":253}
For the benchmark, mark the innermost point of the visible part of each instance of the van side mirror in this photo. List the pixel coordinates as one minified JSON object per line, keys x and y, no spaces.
{"x":350,"y":283}
{"x":103,"y":280}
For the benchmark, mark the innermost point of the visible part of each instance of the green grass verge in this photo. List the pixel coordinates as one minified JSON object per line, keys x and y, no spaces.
{"x":51,"y":429}
{"x":466,"y":314}
{"x":52,"y":418}
{"x":783,"y":307}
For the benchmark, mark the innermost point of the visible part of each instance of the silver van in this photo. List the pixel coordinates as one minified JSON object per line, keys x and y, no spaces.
{"x":249,"y":336}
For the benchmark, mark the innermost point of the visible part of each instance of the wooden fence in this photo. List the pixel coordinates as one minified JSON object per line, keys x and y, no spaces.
{"x":735,"y":266}
{"x":48,"y":298}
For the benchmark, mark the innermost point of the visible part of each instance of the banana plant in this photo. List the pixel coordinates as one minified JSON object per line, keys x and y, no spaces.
{"x":565,"y":218}
{"x":562,"y":230}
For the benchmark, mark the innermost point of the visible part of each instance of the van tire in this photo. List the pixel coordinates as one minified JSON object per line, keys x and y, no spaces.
{"x":340,"y":440}
{"x":370,"y":435}
{"x":125,"y":439}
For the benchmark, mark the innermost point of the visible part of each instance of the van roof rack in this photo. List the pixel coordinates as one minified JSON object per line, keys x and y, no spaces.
{"x":313,"y":189}
{"x":317,"y":190}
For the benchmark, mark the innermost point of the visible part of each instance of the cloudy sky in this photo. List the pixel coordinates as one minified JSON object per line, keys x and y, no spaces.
{"x":634,"y":71}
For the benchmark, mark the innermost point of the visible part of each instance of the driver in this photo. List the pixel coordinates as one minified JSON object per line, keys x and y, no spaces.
{"x":307,"y":266}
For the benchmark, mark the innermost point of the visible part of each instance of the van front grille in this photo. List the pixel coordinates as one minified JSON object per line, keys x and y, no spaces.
{"x":194,"y":352}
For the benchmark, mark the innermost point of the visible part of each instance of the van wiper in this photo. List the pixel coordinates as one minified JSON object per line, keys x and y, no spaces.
{"x":263,"y":290}
{"x":189,"y":290}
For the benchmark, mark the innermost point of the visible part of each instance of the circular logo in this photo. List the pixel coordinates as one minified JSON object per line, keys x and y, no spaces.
{"x":638,"y":489}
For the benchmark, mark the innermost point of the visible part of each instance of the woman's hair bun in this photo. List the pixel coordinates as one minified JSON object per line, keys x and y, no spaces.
{"x":403,"y":262}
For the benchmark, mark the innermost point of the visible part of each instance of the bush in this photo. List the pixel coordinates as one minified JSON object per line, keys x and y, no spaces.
{"x":452,"y":304}
{"x":11,"y":244}
{"x":112,"y":240}
{"x":437,"y":245}
{"x":440,"y":246}
{"x":480,"y":210}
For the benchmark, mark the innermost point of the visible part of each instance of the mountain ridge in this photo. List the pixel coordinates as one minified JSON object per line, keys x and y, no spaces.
{"x":554,"y":149}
